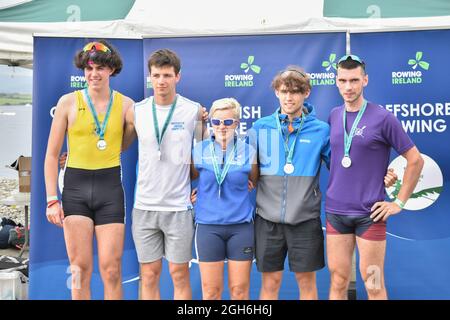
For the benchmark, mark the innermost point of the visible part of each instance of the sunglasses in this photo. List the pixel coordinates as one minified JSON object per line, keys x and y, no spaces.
{"x":351,"y":57}
{"x":296,"y":71}
{"x":98,"y":46}
{"x":226,"y":122}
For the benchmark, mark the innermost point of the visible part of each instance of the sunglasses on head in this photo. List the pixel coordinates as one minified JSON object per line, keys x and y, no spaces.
{"x":97,"y":46}
{"x":351,"y":57}
{"x":296,"y":71}
{"x":226,"y":122}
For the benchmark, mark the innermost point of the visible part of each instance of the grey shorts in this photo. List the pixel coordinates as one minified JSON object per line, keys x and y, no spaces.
{"x":158,"y":234}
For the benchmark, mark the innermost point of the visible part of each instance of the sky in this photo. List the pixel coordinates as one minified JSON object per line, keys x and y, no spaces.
{"x":15,"y":80}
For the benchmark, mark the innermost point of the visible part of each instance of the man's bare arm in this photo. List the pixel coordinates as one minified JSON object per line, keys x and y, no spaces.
{"x":129,"y":131}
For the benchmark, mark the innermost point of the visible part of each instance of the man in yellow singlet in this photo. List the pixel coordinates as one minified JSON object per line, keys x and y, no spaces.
{"x":93,"y":197}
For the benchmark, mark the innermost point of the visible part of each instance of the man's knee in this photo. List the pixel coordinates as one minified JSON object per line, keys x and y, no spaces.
{"x":374,"y":284}
{"x":271,"y":282}
{"x":306,"y":280}
{"x":150,"y":275}
{"x":376,"y":293}
{"x":80,"y":275}
{"x":81,"y":270}
{"x":339,"y":280}
{"x":179,"y":274}
{"x":111,"y":272}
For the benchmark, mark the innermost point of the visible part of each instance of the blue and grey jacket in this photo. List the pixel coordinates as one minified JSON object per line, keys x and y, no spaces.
{"x":296,"y":197}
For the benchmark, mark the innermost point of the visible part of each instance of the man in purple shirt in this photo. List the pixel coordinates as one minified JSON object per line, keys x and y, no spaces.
{"x":355,"y":207}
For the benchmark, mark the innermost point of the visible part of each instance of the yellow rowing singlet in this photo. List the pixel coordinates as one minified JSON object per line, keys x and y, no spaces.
{"x":82,"y":139}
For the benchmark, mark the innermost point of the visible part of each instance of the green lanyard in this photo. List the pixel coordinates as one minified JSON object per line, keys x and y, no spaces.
{"x":159,"y":136}
{"x":289,"y":152}
{"x":221,"y":174}
{"x":349,"y":137}
{"x":100,"y":129}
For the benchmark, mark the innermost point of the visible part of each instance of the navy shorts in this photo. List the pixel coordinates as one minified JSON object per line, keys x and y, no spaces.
{"x":219,"y":242}
{"x":303,"y":243}
{"x":361,"y":225}
{"x":96,"y":194}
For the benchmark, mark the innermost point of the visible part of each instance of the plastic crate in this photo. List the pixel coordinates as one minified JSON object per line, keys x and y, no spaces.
{"x":13,"y":286}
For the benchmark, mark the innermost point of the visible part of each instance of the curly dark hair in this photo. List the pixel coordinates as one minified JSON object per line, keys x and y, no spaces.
{"x":110,"y":58}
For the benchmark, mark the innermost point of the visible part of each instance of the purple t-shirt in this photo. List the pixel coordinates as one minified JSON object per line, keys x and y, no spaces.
{"x":353,"y":190}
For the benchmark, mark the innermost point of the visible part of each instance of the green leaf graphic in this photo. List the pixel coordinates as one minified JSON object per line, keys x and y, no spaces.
{"x":244,"y":65}
{"x":251,"y":59}
{"x":419,"y":55}
{"x":411,"y":62}
{"x":325,"y":64}
{"x":419,"y":194}
{"x":255,"y":68}
{"x":424,"y":65}
{"x":332,"y":57}
{"x":397,"y":187}
{"x":426,"y":192}
{"x":334,"y":65}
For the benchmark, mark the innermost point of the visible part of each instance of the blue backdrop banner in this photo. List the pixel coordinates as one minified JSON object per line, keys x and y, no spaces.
{"x":243,"y":67}
{"x":408,"y":76}
{"x":55,"y":75}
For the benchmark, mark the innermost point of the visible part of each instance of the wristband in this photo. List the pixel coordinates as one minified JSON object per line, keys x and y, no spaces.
{"x":51,"y":198}
{"x":399,"y":202}
{"x":52,"y":202}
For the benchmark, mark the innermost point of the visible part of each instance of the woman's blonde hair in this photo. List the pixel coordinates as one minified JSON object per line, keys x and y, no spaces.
{"x":226,"y":104}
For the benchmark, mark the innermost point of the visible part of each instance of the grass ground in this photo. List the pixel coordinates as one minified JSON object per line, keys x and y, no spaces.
{"x":14,"y":99}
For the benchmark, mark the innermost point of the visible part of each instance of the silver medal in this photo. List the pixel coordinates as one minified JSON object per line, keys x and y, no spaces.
{"x":346,"y":162}
{"x":159,"y":155}
{"x":101,"y":145}
{"x":288,"y":168}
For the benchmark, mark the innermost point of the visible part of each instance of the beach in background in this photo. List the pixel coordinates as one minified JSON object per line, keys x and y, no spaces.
{"x":15,"y":140}
{"x":15,"y":136}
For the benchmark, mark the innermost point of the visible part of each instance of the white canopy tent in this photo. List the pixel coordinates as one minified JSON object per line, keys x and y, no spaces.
{"x":200,"y":17}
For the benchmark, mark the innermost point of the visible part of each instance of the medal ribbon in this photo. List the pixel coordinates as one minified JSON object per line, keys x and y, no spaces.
{"x":221,"y":174}
{"x":289,"y":152}
{"x":159,"y":136}
{"x":100,"y":129}
{"x":349,"y":137}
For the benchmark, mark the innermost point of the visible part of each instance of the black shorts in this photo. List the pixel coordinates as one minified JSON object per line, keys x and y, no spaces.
{"x":303,"y":243}
{"x":97,"y":194}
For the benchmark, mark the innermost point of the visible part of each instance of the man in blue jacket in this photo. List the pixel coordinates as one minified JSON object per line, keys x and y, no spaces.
{"x":291,"y":144}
